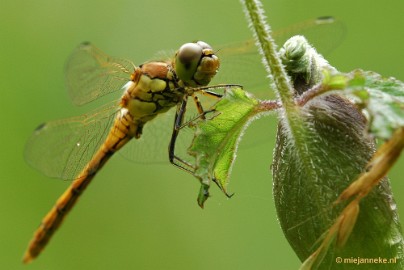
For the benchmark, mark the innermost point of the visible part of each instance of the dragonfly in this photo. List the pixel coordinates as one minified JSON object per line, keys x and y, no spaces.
{"x":149,"y":114}
{"x":152,"y":89}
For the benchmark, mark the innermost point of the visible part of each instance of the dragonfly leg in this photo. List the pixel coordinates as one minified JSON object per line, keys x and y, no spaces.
{"x":211,"y":94}
{"x":179,"y":124}
{"x":179,"y":118}
{"x":199,"y":107}
{"x":198,"y":104}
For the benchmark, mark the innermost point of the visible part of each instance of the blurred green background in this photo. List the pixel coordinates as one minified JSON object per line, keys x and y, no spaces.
{"x":146,"y":216}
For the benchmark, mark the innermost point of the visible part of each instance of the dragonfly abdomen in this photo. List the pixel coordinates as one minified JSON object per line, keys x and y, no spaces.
{"x":123,"y":130}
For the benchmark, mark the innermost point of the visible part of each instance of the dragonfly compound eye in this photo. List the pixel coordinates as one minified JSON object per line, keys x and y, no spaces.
{"x":196,"y":64}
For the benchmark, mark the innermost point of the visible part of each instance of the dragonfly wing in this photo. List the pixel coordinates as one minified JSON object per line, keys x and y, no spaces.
{"x":90,"y":73}
{"x":152,"y":146}
{"x":241,"y":64}
{"x":324,"y":33}
{"x":62,"y":148}
{"x":239,"y":59}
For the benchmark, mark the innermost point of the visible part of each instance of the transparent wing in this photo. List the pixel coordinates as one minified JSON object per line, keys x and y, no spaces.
{"x":62,"y":148}
{"x":241,"y":62}
{"x":90,"y":73}
{"x":152,"y":146}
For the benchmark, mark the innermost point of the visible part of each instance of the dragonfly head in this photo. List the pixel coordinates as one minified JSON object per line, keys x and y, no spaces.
{"x":196,"y":64}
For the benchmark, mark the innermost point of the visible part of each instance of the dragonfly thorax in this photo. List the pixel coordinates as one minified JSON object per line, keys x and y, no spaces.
{"x":154,"y":90}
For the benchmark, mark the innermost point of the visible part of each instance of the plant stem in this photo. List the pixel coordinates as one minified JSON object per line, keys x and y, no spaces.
{"x":268,"y":50}
{"x":290,"y":112}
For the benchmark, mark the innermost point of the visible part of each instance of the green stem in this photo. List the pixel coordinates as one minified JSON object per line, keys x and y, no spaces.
{"x":268,"y":50}
{"x":273,"y":64}
{"x":290,"y":113}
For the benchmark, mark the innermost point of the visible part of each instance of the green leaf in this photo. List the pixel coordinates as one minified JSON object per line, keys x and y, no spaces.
{"x":382,"y":98}
{"x":216,"y":138}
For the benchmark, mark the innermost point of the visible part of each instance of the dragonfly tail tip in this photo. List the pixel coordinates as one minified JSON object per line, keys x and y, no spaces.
{"x":27,"y":258}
